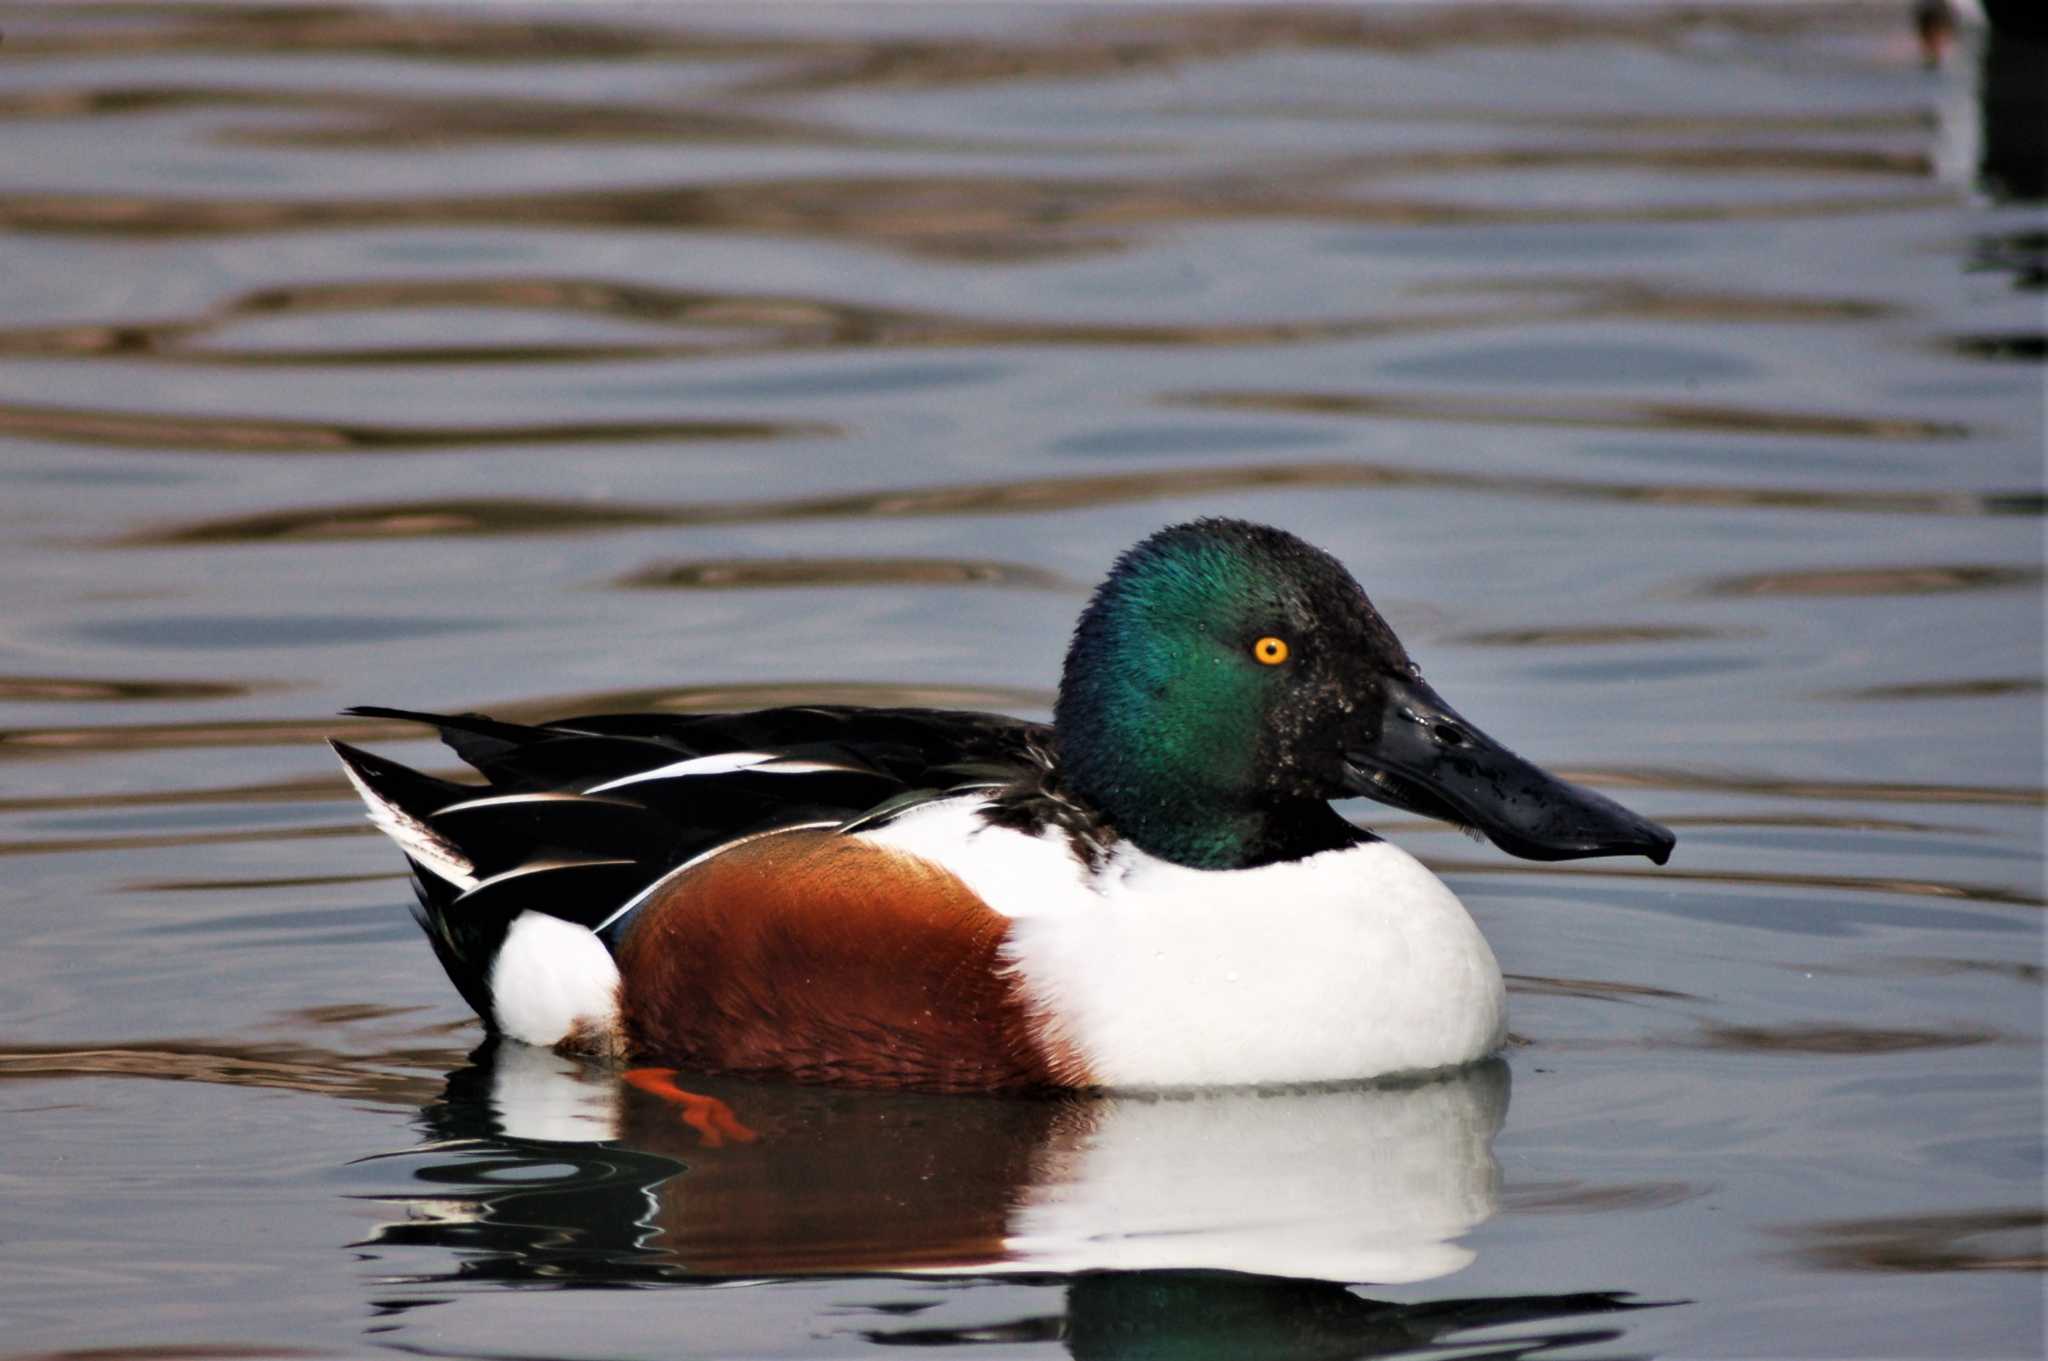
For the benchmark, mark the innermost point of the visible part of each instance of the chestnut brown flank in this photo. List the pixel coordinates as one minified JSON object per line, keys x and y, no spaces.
{"x":828,"y":959}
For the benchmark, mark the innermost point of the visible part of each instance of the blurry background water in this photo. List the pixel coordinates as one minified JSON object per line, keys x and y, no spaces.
{"x":1671,"y":376}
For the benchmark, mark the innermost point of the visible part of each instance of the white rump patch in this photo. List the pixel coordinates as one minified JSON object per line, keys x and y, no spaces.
{"x":425,"y":845}
{"x":552,"y":979}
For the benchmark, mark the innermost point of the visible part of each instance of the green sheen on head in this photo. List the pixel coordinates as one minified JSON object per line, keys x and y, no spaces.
{"x":1171,"y":724}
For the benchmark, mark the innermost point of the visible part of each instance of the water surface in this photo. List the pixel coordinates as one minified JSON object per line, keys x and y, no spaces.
{"x":1671,"y":379}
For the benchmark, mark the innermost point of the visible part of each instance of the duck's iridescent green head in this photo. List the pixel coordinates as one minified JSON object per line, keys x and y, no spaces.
{"x":1228,"y":679}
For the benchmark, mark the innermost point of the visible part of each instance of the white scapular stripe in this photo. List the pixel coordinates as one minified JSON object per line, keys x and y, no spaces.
{"x":553,"y":978}
{"x":425,"y":845}
{"x":724,"y":763}
{"x":508,"y":801}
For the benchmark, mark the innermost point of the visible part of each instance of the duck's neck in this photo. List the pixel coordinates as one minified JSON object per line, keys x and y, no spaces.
{"x":1193,"y":826}
{"x":1203,"y":839}
{"x":1233,"y":839}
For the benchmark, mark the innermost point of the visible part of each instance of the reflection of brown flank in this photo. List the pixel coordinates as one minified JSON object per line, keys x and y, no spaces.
{"x":1918,"y":579}
{"x":829,"y":959}
{"x":506,"y":515}
{"x":744,"y":573}
{"x":842,"y":1180}
{"x":1928,"y":1242}
{"x":1596,"y":413}
{"x":268,"y":435}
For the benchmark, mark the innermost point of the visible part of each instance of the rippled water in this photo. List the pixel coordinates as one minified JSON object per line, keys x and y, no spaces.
{"x":1672,"y":379}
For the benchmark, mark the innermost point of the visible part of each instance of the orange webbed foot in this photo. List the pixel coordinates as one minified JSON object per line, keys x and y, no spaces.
{"x":713,"y":1120}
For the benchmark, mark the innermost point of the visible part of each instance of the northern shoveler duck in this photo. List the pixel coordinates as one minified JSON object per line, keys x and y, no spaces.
{"x":1153,"y":891}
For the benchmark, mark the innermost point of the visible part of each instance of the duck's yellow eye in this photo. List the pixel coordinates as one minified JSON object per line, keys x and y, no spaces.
{"x":1270,"y":650}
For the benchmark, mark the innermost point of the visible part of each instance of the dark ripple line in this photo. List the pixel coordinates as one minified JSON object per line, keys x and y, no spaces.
{"x":1597,"y":635}
{"x":1985,"y":687}
{"x":722,"y":574}
{"x":939,"y":216}
{"x":750,"y":323}
{"x":509,"y":515}
{"x":1599,"y":413}
{"x":158,"y":841}
{"x":269,"y":791}
{"x":1855,"y":883}
{"x":409,"y":122}
{"x":118,"y":690}
{"x":287,"y":1067}
{"x":1093,"y":45}
{"x":267,"y":435}
{"x":1790,"y":787}
{"x":1919,"y":578}
{"x":1926,"y":1242}
{"x":1824,"y":1038}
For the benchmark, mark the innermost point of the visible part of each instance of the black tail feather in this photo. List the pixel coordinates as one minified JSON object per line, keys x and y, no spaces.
{"x":477,"y":739}
{"x":417,"y":794}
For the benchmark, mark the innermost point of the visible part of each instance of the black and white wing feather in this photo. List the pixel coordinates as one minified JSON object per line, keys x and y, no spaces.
{"x":578,"y":818}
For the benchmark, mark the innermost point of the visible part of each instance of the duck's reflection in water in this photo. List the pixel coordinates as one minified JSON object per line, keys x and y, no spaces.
{"x":1228,"y":1218}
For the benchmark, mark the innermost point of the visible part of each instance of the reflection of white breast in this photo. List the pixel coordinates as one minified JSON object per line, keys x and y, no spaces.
{"x":539,"y":1094}
{"x":1362,"y":1185}
{"x":1350,"y":1184}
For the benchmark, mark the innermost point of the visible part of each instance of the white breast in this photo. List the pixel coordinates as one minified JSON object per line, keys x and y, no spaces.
{"x":1349,"y":964}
